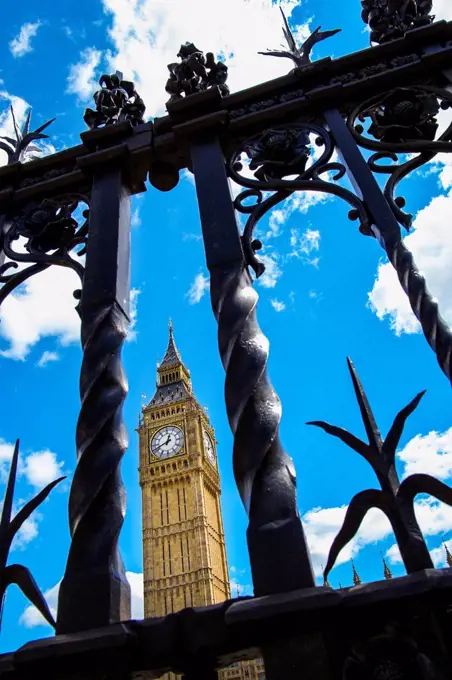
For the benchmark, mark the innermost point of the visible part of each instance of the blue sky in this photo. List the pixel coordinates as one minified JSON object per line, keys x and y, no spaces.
{"x":327,"y":293}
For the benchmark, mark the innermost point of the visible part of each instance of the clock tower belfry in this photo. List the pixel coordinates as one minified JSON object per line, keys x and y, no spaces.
{"x":184,"y":551}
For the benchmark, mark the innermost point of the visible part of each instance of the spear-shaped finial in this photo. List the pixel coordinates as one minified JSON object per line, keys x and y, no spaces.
{"x":386,"y":570}
{"x":448,"y":555}
{"x":395,"y":498}
{"x":21,"y":148}
{"x":301,"y":56}
{"x":356,"y":578}
{"x":16,"y":573}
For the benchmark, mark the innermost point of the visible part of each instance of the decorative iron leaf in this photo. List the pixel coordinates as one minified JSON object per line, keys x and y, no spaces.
{"x":21,"y":576}
{"x":26,"y":125}
{"x":25,"y":512}
{"x":12,"y":141}
{"x":353,"y":442}
{"x":357,"y":510}
{"x":16,"y":127}
{"x":5,"y":147}
{"x":44,"y":126}
{"x":393,"y":437}
{"x":420,"y":483}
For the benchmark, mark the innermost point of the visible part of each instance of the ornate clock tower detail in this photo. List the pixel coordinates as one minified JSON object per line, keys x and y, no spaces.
{"x":183,"y":539}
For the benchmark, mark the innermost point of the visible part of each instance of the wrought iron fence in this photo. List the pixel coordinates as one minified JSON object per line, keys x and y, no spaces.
{"x":371,"y":117}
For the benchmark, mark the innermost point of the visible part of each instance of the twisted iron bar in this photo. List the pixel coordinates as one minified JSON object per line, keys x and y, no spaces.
{"x":424,"y":306}
{"x":264,"y":473}
{"x":97,"y":498}
{"x":411,"y":140}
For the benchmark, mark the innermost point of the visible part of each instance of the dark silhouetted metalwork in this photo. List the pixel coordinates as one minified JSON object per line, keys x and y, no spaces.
{"x":396,"y":499}
{"x":20,"y":147}
{"x":301,"y":56}
{"x":276,"y":154}
{"x":97,"y":499}
{"x":367,"y":115}
{"x":391,"y":19}
{"x":51,"y":229}
{"x":392,"y":654}
{"x":116,"y":102}
{"x":17,"y":574}
{"x":195,"y":72}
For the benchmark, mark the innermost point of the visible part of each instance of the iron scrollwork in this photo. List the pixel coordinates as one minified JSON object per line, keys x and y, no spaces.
{"x":392,"y":655}
{"x":50,"y":231}
{"x":283,"y":162}
{"x":404,"y":121}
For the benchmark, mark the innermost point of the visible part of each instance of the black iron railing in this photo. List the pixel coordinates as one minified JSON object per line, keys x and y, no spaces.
{"x":374,"y":113}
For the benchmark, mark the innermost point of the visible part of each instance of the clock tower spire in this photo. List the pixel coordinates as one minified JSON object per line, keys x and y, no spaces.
{"x":183,"y":539}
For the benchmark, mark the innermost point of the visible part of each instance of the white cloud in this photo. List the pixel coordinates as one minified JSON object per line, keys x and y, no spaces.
{"x":22,"y":43}
{"x":136,"y":587}
{"x":431,"y":244}
{"x":20,"y":108}
{"x":135,"y":220}
{"x":277,"y":305}
{"x":322,"y":525}
{"x":38,"y":469}
{"x":41,"y":468}
{"x":198,"y":289}
{"x":6,"y":453}
{"x":131,"y":332}
{"x":300,"y":202}
{"x":83,"y":78}
{"x":30,"y":617}
{"x":431,"y":453}
{"x":43,"y":306}
{"x":443,"y":10}
{"x":147,"y":36}
{"x":304,"y":244}
{"x":272,"y":272}
{"x":47,"y":357}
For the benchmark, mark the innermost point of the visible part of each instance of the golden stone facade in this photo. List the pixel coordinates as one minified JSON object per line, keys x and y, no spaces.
{"x":184,"y":550}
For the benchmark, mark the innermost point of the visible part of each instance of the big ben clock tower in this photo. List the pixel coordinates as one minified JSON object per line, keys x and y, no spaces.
{"x":183,"y":540}
{"x":184,"y":551}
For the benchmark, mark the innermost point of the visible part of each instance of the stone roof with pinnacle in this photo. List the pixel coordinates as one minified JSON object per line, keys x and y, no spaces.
{"x":176,"y":389}
{"x":172,"y":355}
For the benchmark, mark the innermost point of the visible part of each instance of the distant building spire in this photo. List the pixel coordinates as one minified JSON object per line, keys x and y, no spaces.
{"x":448,"y":555}
{"x":386,"y":570}
{"x":356,"y":579}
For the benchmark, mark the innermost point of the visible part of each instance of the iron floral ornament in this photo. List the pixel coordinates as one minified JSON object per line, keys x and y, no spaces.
{"x":20,"y":147}
{"x":117,"y":101}
{"x":391,"y":19}
{"x":17,"y":573}
{"x":195,"y":72}
{"x":396,"y":499}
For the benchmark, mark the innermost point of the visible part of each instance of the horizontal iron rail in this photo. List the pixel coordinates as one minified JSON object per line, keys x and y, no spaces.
{"x":227,"y":632}
{"x":160,"y":146}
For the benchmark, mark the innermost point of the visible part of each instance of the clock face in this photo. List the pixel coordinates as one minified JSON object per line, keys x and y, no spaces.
{"x":208,"y":448}
{"x":167,"y":442}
